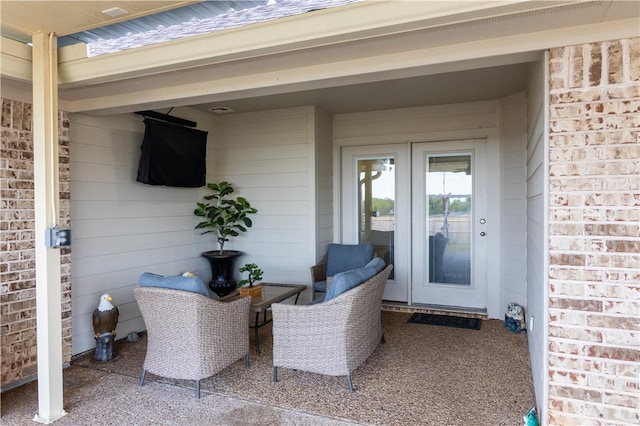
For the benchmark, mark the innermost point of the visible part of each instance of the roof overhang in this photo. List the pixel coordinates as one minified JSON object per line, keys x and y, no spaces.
{"x":357,"y":43}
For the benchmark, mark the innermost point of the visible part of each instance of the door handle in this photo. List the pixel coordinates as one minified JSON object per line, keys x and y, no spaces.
{"x":482,"y":234}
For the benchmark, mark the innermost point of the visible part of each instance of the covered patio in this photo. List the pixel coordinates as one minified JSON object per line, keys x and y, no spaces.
{"x":547,"y":92}
{"x":422,"y":374}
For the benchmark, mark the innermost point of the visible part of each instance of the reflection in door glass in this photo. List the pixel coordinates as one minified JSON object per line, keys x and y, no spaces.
{"x":449,"y":194}
{"x":376,"y":205}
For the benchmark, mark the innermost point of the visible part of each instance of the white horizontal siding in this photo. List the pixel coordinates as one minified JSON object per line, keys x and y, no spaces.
{"x":324,"y":207}
{"x":512,"y":217}
{"x":535,"y":168}
{"x":94,"y":229}
{"x":430,"y":122}
{"x":85,"y":190}
{"x":282,"y":179}
{"x":266,"y":153}
{"x":535,"y":181}
{"x":268,"y":156}
{"x":97,"y":209}
{"x":122,"y":228}
{"x":129,"y":243}
{"x":415,"y":124}
{"x":535,"y":228}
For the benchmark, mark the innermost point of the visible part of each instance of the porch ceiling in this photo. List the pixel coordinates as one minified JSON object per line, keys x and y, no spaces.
{"x":472,"y":85}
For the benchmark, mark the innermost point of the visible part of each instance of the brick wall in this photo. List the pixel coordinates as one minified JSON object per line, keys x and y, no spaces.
{"x":594,"y":234}
{"x":17,"y":243}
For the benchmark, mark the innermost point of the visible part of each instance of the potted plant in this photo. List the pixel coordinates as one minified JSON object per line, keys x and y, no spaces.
{"x":225,"y":217}
{"x":254,"y":274}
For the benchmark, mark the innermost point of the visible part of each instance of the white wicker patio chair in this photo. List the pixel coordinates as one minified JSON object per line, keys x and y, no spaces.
{"x":332,"y":337}
{"x":190,"y":336}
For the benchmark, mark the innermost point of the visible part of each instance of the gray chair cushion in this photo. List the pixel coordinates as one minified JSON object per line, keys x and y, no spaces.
{"x":376,"y":263}
{"x":192,"y":284}
{"x":345,"y":281}
{"x":344,"y":257}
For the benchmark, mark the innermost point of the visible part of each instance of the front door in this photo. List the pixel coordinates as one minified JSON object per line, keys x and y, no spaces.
{"x":422,"y":206}
{"x":448,"y":207}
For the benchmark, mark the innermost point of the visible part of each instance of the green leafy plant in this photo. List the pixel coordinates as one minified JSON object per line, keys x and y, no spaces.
{"x":224,"y":216}
{"x":254,"y":274}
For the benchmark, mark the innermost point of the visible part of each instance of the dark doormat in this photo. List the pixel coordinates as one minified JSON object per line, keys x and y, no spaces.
{"x":446,"y":320}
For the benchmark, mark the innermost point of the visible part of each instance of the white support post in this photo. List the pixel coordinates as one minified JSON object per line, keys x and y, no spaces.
{"x":46,"y":202}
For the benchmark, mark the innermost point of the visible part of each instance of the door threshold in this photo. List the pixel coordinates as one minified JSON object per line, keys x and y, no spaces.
{"x":457,"y":311}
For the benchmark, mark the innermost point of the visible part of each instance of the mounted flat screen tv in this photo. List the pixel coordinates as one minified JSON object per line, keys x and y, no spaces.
{"x":172,"y":155}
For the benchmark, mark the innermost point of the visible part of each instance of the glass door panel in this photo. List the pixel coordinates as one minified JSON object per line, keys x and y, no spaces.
{"x":375,"y":182}
{"x":376,"y":205}
{"x":449,"y":195}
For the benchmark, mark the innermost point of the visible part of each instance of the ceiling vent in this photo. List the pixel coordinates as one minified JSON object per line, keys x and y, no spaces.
{"x":221,"y":110}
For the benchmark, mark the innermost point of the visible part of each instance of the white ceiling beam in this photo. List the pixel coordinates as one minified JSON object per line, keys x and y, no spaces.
{"x":15,"y":60}
{"x":186,"y":91}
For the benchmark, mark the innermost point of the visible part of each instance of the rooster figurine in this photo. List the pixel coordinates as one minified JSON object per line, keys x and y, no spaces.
{"x":105,"y":320}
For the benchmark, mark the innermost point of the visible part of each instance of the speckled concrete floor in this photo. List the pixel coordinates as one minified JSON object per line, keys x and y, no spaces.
{"x":422,"y":375}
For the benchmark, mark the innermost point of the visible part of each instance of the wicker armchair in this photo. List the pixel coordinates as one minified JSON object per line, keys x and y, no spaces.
{"x":332,"y":337}
{"x":191,"y":336}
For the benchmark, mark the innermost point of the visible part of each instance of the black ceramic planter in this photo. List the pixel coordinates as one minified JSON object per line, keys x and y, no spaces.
{"x":222,"y":268}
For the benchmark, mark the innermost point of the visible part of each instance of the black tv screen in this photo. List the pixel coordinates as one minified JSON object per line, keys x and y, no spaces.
{"x":172,"y":155}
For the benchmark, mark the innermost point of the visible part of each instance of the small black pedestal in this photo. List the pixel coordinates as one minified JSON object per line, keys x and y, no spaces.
{"x":104,"y":347}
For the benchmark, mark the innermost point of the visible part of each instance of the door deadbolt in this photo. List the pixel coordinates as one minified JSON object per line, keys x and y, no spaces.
{"x":483,"y":221}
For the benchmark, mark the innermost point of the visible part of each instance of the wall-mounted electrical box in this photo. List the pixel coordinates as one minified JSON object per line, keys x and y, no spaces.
{"x":57,"y":237}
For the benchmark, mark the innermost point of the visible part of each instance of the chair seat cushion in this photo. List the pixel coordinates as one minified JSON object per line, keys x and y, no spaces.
{"x":345,"y":281}
{"x":192,"y":284}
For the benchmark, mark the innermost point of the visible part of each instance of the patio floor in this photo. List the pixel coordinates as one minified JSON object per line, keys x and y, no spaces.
{"x":422,"y":375}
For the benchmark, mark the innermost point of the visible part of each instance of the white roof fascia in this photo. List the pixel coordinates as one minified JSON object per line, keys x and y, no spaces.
{"x":73,"y":52}
{"x":348,"y":23}
{"x":15,"y":60}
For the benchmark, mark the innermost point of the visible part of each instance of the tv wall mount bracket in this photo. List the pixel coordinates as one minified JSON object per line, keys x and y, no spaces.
{"x":168,"y":118}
